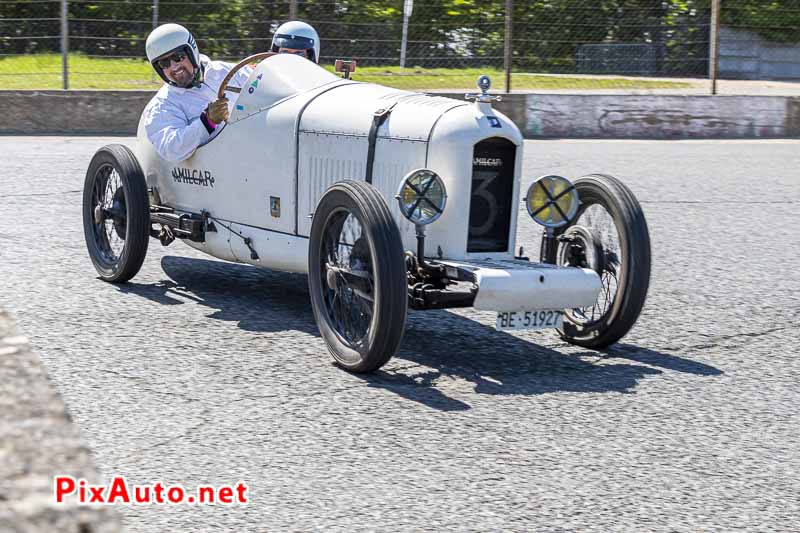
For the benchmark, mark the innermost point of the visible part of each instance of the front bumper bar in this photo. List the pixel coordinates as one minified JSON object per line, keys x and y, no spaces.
{"x":519,"y":285}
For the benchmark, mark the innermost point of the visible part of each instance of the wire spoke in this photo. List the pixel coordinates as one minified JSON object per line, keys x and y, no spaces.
{"x":596,"y":218}
{"x":108,"y":198}
{"x":347,"y":264}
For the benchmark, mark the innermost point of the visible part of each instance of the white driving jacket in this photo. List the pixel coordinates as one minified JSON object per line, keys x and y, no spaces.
{"x":172,"y":117}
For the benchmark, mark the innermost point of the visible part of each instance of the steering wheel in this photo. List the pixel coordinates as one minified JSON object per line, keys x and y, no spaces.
{"x":240,"y":65}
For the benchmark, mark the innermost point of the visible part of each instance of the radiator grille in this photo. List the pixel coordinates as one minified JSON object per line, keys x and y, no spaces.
{"x":492,"y":188}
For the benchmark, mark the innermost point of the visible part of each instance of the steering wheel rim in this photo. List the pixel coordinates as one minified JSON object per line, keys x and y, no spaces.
{"x":236,"y":68}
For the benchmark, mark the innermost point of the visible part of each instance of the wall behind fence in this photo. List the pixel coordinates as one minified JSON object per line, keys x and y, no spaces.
{"x":537,"y":115}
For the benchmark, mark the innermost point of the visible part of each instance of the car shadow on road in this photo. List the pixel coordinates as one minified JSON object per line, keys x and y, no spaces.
{"x":661,"y":360}
{"x":255,"y":299}
{"x":444,"y":348}
{"x":448,"y":347}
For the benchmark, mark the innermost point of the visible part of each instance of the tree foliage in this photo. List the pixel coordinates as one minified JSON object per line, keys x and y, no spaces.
{"x":548,"y":34}
{"x":777,"y":21}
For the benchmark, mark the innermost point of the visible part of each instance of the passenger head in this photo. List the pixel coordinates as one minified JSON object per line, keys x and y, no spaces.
{"x":296,"y":37}
{"x":173,"y":52}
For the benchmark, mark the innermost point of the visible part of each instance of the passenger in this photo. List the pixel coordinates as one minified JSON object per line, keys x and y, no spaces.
{"x":185,"y":112}
{"x":295,"y":37}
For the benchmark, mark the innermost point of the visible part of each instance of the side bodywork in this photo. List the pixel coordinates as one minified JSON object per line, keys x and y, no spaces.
{"x":296,"y":129}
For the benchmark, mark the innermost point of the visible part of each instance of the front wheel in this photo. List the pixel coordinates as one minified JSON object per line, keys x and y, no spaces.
{"x":357,"y":276}
{"x":609,"y":235}
{"x":116,"y":213}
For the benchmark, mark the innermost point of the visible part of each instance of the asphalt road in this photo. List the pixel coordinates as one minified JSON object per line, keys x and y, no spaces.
{"x":200,"y":371}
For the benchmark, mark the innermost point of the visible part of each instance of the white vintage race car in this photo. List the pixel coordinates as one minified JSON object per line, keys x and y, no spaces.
{"x":386,"y":199}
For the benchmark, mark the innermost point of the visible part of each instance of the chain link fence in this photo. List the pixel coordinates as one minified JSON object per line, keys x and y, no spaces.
{"x":424,"y":44}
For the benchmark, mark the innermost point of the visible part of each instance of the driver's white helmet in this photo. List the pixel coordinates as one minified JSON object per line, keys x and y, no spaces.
{"x":297,"y":35}
{"x":170,"y":38}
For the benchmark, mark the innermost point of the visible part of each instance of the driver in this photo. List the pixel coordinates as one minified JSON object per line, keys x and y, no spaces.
{"x":295,"y":37}
{"x":185,"y":111}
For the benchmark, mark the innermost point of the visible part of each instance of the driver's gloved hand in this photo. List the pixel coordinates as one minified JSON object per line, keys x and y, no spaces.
{"x":217,"y":111}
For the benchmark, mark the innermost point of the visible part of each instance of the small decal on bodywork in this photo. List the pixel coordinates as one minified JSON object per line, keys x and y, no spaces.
{"x":193,"y":176}
{"x":494,"y":122}
{"x":275,"y":206}
{"x":254,"y":85}
{"x":487,"y":162}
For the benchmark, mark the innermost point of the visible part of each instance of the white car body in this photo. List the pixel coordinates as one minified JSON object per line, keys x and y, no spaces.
{"x":296,"y":129}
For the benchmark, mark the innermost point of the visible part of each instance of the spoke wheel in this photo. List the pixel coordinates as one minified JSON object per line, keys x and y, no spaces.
{"x":608,"y":235}
{"x":357,"y":276}
{"x":116,"y":217}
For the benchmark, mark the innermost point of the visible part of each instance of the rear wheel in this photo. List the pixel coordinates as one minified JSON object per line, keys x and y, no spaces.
{"x":357,"y":276}
{"x":609,"y":235}
{"x":116,"y":214}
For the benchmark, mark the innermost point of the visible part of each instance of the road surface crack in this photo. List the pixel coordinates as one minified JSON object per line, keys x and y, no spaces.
{"x":164,"y":442}
{"x":710,"y":202}
{"x":176,"y":437}
{"x":38,"y":194}
{"x":721,"y":339}
{"x":140,"y":381}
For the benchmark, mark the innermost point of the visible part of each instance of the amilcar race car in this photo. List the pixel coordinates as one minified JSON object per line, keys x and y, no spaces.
{"x":387,"y":199}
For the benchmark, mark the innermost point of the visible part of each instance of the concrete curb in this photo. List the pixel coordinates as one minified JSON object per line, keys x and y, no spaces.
{"x":38,"y":441}
{"x":604,"y":116}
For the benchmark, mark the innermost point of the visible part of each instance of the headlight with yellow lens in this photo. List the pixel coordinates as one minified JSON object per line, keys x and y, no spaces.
{"x":422,"y":196}
{"x":552,"y":201}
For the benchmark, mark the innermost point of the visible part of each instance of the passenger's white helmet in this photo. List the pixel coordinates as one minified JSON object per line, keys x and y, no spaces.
{"x":297,"y":35}
{"x":170,"y":38}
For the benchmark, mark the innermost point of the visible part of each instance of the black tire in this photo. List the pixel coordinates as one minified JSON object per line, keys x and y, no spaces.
{"x":359,"y":289}
{"x":624,"y":265}
{"x":116,"y":213}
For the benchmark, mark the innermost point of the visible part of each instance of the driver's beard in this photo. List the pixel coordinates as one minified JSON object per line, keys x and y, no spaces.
{"x":192,"y":81}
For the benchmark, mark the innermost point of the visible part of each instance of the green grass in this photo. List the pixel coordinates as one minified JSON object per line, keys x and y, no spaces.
{"x":464,"y":79}
{"x":43,"y":71}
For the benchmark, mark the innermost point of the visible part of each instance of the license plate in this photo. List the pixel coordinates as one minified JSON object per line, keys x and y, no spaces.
{"x":515,"y":320}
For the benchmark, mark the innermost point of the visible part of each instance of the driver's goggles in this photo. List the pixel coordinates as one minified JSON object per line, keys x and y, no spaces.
{"x":165,"y":62}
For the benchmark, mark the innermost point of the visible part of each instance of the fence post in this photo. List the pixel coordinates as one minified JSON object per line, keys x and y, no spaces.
{"x":507,"y":51}
{"x":155,"y":14}
{"x":64,"y":45}
{"x":713,"y":58}
{"x":408,"y":7}
{"x":292,"y":9}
